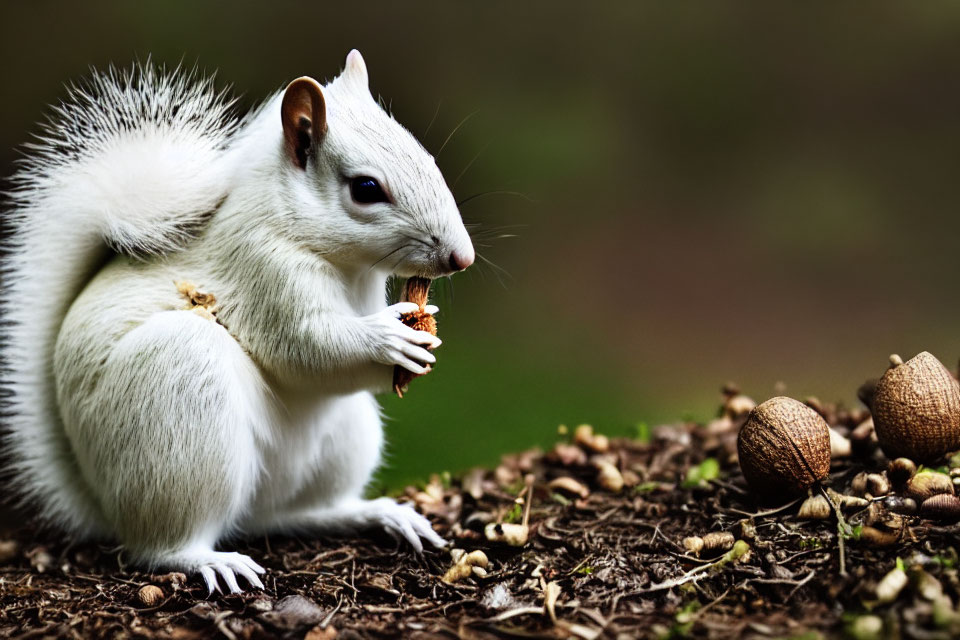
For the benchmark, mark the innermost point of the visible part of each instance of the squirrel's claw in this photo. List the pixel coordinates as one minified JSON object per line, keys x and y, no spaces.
{"x":221,"y":568}
{"x":403,"y":521}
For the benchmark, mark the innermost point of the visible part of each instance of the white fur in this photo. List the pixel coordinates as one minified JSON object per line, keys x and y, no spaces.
{"x":137,"y":418}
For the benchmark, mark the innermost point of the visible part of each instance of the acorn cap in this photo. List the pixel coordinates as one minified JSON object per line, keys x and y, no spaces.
{"x":784,"y":447}
{"x":916,"y":409}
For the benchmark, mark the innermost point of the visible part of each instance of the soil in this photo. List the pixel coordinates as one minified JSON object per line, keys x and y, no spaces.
{"x":605,"y":564}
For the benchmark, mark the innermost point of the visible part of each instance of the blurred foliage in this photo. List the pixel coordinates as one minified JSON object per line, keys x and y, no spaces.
{"x":756,"y":191}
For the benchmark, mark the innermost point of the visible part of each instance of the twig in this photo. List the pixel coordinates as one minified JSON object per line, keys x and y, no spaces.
{"x":521,"y":611}
{"x":326,"y":621}
{"x":796,"y":583}
{"x":529,"y":491}
{"x":841,"y":532}
{"x":768,"y":512}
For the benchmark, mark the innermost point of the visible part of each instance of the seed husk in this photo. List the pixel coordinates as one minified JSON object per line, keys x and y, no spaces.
{"x":840,"y":446}
{"x":784,"y":447}
{"x":916,"y":409}
{"x":608,"y":476}
{"x":738,"y":406}
{"x":814,"y":508}
{"x":586,"y":438}
{"x":515,"y":535}
{"x":693,"y":544}
{"x":944,"y":507}
{"x":569,"y":485}
{"x":928,"y":483}
{"x":717,"y":542}
{"x":877,"y":485}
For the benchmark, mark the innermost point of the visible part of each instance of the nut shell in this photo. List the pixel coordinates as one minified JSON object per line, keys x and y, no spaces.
{"x":916,"y":409}
{"x":944,"y":507}
{"x":150,"y":595}
{"x":928,"y":483}
{"x":417,"y":290}
{"x":784,"y":447}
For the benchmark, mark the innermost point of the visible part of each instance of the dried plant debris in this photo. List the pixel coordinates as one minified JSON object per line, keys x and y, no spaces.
{"x":544,"y":547}
{"x":202,"y":303}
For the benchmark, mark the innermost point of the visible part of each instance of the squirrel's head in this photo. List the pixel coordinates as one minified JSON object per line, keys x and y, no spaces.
{"x":365,"y":191}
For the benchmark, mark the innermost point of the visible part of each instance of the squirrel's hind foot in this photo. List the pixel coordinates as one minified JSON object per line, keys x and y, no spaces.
{"x":211,"y":564}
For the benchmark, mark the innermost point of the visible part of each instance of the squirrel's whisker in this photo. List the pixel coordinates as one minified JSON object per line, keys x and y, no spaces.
{"x":469,"y":164}
{"x":455,"y":129}
{"x":495,"y":192}
{"x":434,"y":118}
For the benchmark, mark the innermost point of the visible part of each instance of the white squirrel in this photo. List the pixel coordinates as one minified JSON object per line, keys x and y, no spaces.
{"x":138,"y":415}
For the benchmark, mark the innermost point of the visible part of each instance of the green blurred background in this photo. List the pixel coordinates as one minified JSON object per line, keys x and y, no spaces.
{"x":763,"y":192}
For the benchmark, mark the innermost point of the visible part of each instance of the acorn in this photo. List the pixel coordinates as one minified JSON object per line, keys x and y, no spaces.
{"x":916,"y":409}
{"x":784,"y":447}
{"x":944,"y":507}
{"x":417,"y":290}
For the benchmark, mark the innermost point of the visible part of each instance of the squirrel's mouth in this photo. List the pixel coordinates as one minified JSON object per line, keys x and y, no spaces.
{"x":435,"y":260}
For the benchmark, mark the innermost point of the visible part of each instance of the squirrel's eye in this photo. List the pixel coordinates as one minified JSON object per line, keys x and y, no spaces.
{"x":366,"y":190}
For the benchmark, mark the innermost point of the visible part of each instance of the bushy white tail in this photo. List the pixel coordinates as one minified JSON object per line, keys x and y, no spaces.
{"x":132,"y":162}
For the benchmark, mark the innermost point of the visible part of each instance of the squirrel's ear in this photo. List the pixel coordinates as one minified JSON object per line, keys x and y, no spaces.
{"x":304,"y":115}
{"x":355,"y":70}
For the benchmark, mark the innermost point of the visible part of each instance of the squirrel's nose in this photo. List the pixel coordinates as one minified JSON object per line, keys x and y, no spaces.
{"x":460,"y":260}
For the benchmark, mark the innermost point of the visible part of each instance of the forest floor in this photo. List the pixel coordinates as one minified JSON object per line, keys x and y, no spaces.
{"x":588,"y":559}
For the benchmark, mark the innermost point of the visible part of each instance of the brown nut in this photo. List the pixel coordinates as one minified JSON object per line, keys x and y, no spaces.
{"x":150,"y":595}
{"x":944,"y":507}
{"x":717,"y":542}
{"x":784,"y":447}
{"x":417,"y":291}
{"x":900,"y":470}
{"x":877,"y":485}
{"x":858,"y":486}
{"x":928,"y":483}
{"x":916,"y":409}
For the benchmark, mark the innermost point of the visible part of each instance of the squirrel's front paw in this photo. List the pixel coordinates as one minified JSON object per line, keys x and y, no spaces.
{"x":402,"y":521}
{"x":398,"y":344}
